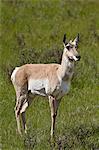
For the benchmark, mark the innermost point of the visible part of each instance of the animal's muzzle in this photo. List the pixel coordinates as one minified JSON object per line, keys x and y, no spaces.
{"x":78,"y":57}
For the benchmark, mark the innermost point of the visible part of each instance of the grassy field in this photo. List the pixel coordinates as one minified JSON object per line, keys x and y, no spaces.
{"x":31,"y":31}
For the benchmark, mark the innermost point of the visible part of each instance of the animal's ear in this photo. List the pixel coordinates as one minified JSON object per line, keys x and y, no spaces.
{"x":64,"y":39}
{"x":76,"y":40}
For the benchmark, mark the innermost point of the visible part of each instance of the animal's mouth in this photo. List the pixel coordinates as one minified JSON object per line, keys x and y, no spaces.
{"x":78,"y":58}
{"x":75,"y":58}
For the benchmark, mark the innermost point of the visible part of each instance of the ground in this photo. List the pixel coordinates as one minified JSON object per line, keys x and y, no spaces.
{"x":31,"y":31}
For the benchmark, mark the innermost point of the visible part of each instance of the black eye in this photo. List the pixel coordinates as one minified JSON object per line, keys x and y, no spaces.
{"x":68,"y":47}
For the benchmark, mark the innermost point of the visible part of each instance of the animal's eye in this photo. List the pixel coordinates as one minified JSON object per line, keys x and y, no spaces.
{"x":68,"y":47}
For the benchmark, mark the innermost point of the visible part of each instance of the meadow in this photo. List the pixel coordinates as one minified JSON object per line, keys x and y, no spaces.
{"x":31,"y":31}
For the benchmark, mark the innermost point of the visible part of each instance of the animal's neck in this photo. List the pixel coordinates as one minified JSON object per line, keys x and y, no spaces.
{"x":66,"y":69}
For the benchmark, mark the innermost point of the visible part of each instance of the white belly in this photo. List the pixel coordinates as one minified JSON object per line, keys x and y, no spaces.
{"x":38,"y":86}
{"x":42,"y":87}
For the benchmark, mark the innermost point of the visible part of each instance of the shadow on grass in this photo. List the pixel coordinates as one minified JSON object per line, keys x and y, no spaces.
{"x":36,"y":139}
{"x":30,"y":140}
{"x":79,"y":137}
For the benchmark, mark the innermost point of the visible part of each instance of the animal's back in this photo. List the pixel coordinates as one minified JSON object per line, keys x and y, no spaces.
{"x":22,"y":74}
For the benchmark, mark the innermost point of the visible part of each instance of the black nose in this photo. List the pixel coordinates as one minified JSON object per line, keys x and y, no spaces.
{"x":78,"y":57}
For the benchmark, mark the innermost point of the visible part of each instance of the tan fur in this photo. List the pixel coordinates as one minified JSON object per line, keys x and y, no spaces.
{"x":55,"y":79}
{"x":36,"y":71}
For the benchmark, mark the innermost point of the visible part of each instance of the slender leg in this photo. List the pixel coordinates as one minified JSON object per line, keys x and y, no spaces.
{"x":24,"y":121}
{"x":18,"y":122}
{"x":25,"y":105}
{"x":19,"y":103}
{"x":22,"y":111}
{"x":53,"y":106}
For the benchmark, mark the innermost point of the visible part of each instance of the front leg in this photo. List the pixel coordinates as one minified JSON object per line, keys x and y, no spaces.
{"x":54,"y":103}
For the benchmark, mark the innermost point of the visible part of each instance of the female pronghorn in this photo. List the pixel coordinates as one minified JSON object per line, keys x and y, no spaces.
{"x":50,"y":80}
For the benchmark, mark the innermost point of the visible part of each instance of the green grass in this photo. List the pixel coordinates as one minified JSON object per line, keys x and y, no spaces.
{"x":31,"y":31}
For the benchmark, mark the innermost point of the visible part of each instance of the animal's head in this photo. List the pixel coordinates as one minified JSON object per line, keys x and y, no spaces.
{"x":70,"y":48}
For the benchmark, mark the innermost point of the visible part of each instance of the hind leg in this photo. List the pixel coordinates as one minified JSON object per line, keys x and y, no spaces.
{"x":25,"y":105}
{"x":17,"y":116}
{"x":23,"y":110}
{"x":24,"y":121}
{"x":18,"y":122}
{"x":19,"y":104}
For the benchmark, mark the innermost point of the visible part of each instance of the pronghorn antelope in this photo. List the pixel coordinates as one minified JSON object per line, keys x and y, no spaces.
{"x":49,"y":80}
